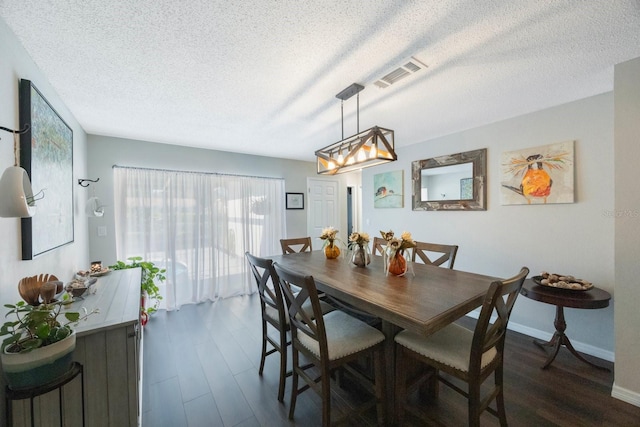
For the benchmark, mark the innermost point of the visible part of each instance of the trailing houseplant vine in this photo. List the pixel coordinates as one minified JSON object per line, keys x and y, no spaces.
{"x":151,"y":276}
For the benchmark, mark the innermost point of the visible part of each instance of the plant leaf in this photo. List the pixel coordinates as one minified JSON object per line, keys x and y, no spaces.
{"x":43,"y":330}
{"x":72,"y":316}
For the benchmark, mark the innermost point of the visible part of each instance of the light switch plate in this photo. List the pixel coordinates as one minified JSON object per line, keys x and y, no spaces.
{"x":102,"y":231}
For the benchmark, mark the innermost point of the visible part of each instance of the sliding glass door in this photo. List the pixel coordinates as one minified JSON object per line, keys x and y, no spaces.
{"x":198,"y":226}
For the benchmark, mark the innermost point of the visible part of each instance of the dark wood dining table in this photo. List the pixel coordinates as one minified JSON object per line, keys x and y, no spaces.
{"x":424,"y":301}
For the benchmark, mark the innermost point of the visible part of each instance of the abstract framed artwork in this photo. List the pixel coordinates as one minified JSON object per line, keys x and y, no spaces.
{"x":388,"y":190}
{"x":295,"y":201}
{"x":538,"y":175}
{"x":46,"y":153}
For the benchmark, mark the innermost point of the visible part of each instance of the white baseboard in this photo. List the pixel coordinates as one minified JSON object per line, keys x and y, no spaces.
{"x":541,"y":335}
{"x":625,"y":395}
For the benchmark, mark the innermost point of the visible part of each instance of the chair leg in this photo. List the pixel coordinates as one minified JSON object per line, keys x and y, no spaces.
{"x":378,"y":368}
{"x":283,"y":364}
{"x":264,"y":346}
{"x":474,"y":404}
{"x":294,"y":382}
{"x":401,"y":384}
{"x":502,"y":413}
{"x":326,"y":396}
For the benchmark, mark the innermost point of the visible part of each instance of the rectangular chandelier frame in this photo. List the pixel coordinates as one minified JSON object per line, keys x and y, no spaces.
{"x":371,"y":147}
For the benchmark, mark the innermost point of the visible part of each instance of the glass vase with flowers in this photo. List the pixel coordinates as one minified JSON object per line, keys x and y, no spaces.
{"x":394,"y":259}
{"x":359,"y":248}
{"x":331,"y":249}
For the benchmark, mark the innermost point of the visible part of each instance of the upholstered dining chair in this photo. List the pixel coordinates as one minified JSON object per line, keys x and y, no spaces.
{"x":470,"y":356}
{"x":423,"y":251}
{"x":329,"y":342}
{"x":274,"y":315}
{"x":298,"y":244}
{"x":378,"y":245}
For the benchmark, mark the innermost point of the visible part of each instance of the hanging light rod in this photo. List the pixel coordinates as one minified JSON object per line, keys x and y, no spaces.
{"x":371,"y":147}
{"x":349,"y":91}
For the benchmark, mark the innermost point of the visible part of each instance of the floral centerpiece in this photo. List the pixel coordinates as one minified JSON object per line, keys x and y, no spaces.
{"x":395,"y":262}
{"x":329,"y":235}
{"x":359,"y":247}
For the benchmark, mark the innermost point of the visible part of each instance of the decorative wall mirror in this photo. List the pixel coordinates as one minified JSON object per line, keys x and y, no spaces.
{"x":456,"y":182}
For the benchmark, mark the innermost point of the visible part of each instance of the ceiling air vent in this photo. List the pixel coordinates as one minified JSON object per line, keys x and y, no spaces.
{"x":411,"y":66}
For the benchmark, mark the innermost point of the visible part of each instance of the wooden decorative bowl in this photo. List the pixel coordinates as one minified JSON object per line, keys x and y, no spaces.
{"x":29,"y":287}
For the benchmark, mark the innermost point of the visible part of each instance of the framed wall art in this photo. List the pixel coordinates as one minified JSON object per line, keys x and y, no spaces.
{"x":388,"y":188}
{"x":295,"y":201}
{"x":538,"y":175}
{"x":46,"y":153}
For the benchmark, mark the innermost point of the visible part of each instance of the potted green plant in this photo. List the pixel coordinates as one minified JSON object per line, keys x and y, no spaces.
{"x":151,"y":276}
{"x":39,"y":343}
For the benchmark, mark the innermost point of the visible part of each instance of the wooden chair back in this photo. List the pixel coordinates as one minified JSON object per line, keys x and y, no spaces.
{"x":378,"y":245}
{"x":427,"y":253}
{"x":309,"y":337}
{"x":271,"y":298}
{"x":301,"y":321}
{"x":498,"y":302}
{"x":299,"y":244}
{"x":267,"y":282}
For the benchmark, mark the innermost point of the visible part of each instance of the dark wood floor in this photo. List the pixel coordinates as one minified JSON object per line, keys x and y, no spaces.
{"x":201,"y":369}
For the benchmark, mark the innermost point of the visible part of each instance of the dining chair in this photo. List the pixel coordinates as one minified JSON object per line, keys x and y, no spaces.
{"x":424,"y":251}
{"x":378,"y":245}
{"x":328,"y":342}
{"x":274,"y":314}
{"x":298,"y":244}
{"x":470,"y":356}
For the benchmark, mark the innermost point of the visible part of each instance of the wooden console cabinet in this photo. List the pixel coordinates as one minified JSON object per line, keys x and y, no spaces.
{"x":109,"y":346}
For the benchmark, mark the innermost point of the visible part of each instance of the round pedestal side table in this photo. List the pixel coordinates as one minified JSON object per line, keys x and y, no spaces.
{"x":593,"y":298}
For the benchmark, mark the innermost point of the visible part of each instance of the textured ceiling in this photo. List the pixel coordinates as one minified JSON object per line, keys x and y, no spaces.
{"x":260,"y":76}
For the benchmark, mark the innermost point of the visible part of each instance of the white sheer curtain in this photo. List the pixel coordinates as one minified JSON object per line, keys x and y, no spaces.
{"x":198,"y":226}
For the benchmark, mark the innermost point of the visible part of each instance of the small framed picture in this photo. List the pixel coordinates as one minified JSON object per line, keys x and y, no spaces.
{"x":295,"y":201}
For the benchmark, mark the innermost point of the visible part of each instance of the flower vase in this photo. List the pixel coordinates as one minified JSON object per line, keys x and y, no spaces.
{"x":331,"y":251}
{"x":397,"y":264}
{"x":360,"y":256}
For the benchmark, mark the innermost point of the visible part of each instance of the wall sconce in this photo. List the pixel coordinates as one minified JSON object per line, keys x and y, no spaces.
{"x":368,"y":148}
{"x":93,"y":208}
{"x":16,"y":196}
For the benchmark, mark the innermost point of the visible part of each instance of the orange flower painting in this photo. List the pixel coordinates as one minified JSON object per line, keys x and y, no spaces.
{"x":538,"y":175}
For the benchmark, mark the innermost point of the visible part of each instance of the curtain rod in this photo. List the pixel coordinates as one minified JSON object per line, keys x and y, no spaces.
{"x":194,"y":172}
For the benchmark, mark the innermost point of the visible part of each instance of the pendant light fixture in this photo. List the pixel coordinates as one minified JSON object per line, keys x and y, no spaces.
{"x":371,"y":147}
{"x":16,"y":197}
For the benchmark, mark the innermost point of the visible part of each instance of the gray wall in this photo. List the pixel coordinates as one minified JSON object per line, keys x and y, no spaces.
{"x":596,"y":238}
{"x":104,"y":152}
{"x":15,"y":64}
{"x":572,"y":238}
{"x":627,"y":231}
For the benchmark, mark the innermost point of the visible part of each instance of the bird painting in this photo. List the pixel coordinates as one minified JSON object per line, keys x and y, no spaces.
{"x":531,"y":175}
{"x":388,"y":190}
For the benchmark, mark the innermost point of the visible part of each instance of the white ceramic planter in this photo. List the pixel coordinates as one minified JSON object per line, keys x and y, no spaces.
{"x":39,"y":366}
{"x":16,"y":194}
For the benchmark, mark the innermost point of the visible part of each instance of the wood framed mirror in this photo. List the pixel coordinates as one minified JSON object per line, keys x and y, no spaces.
{"x":455,"y":182}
